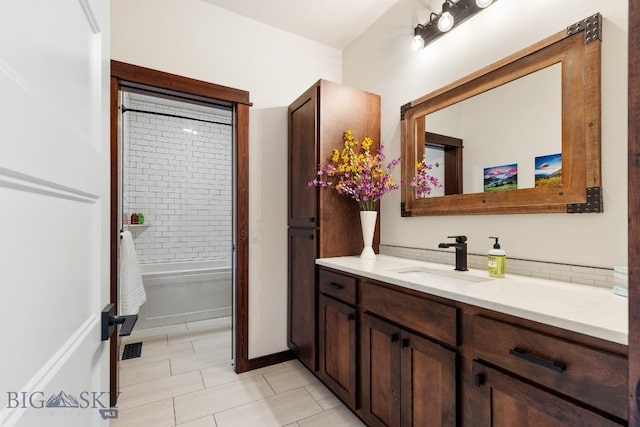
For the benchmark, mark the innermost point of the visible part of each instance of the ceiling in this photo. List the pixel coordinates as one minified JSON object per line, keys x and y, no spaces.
{"x":334,"y":23}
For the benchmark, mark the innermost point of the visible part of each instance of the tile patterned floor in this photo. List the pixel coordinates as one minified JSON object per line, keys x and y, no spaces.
{"x":184,"y":378}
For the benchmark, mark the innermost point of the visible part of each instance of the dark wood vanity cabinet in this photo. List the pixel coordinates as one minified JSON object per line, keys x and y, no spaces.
{"x":337,"y":338}
{"x":380,"y":346}
{"x":407,"y":380}
{"x":338,"y":334}
{"x":303,"y":160}
{"x":509,"y":401}
{"x":398,"y":357}
{"x":428,"y":383}
{"x":408,"y":376}
{"x":317,"y":121}
{"x":593,"y":376}
{"x":544,"y":380}
{"x":302,"y":294}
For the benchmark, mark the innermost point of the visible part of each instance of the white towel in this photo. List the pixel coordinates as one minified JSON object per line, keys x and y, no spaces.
{"x":132,"y":294}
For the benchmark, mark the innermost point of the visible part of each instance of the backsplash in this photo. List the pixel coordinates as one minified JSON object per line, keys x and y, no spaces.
{"x":178,"y":173}
{"x":583,"y":275}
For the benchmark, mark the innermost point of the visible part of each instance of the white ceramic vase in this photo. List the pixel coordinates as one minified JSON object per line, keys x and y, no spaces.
{"x":368,"y":223}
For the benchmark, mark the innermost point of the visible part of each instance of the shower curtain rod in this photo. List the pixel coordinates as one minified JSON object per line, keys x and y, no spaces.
{"x":133,"y":110}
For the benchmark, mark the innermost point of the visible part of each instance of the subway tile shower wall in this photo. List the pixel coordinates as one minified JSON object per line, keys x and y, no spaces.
{"x":178,"y":173}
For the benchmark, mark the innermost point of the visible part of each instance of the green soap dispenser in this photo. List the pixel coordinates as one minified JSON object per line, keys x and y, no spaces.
{"x":497,"y":260}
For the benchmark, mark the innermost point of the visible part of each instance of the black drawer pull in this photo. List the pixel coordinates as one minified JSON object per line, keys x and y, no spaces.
{"x":554,"y":366}
{"x":395,"y":337}
{"x":351,"y":316}
{"x":311,"y":236}
{"x":312,"y":219}
{"x":334,"y":285}
{"x":405,"y":343}
{"x":478,"y":380}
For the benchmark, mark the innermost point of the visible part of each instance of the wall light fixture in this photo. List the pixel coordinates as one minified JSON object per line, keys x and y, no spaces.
{"x":452,"y":13}
{"x":446,"y":20}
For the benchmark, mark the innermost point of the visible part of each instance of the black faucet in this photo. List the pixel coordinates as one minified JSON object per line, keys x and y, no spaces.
{"x":461,"y":251}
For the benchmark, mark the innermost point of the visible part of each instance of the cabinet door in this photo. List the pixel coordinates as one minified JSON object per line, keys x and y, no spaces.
{"x":303,"y":160}
{"x":380,"y":372}
{"x":337,"y":348}
{"x":507,"y":401}
{"x":302,"y":295}
{"x":428,"y":388}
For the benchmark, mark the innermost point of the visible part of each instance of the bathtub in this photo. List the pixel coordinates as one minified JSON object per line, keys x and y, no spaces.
{"x":180,"y":292}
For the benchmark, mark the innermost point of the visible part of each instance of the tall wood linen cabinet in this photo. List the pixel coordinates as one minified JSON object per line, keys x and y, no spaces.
{"x":321,"y":223}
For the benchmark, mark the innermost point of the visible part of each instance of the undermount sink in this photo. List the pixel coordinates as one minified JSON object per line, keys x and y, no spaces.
{"x":439,"y":277}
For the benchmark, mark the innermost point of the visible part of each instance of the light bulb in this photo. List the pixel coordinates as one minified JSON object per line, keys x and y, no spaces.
{"x":417,"y":43}
{"x":483,"y":3}
{"x":446,"y":21}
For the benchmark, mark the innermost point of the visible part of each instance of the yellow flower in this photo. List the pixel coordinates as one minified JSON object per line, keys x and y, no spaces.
{"x":335,"y":156}
{"x":356,"y":172}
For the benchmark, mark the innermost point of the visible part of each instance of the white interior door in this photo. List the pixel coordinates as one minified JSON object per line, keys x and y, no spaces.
{"x":54,"y":211}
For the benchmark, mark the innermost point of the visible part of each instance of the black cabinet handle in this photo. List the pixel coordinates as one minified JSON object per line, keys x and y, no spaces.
{"x":351,"y":316}
{"x":395,"y":337}
{"x":335,"y":285}
{"x":311,"y":237}
{"x":478,"y":380}
{"x":554,"y":366}
{"x":405,"y":343}
{"x":312,"y":219}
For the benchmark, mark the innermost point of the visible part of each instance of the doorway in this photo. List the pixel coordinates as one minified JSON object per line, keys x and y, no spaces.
{"x":176,"y":174}
{"x":142,"y":85}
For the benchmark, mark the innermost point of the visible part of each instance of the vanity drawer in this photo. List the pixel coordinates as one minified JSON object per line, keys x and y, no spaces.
{"x":422,"y":315}
{"x":593,"y":376}
{"x":338,"y":286}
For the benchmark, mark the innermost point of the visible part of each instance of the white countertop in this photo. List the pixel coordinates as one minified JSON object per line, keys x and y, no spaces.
{"x":585,"y":309}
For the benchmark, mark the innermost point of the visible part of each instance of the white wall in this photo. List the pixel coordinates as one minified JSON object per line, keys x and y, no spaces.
{"x":382,"y":61}
{"x":195,"y":39}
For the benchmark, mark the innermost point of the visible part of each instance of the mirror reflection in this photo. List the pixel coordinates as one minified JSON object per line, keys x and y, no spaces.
{"x":512,"y":124}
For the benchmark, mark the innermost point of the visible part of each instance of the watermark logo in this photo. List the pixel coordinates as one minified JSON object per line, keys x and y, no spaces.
{"x":62,"y":400}
{"x":108,"y":413}
{"x":85,"y":400}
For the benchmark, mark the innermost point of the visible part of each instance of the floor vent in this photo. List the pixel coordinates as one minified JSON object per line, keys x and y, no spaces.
{"x":131,"y":351}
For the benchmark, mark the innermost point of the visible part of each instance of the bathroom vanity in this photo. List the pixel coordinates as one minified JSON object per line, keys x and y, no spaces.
{"x":410,"y":343}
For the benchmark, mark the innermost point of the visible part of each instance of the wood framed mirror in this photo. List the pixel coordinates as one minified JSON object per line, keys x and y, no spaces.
{"x":573,"y":57}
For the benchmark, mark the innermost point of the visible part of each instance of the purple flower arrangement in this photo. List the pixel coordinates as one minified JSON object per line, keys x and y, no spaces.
{"x":424,"y":182}
{"x":356,"y":172}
